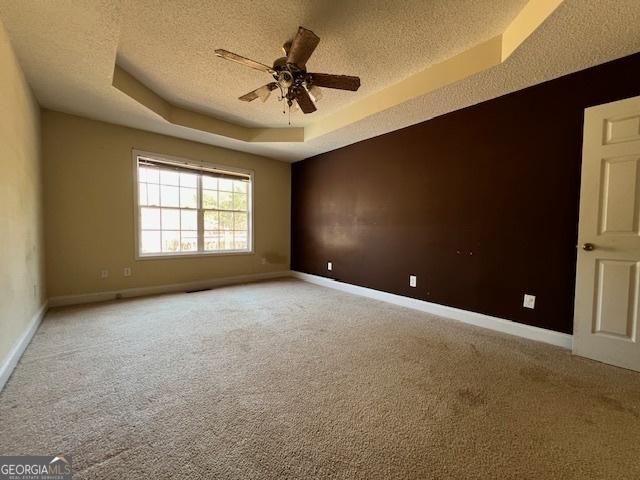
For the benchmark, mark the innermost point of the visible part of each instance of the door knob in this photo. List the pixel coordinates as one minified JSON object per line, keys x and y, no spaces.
{"x":588,"y":247}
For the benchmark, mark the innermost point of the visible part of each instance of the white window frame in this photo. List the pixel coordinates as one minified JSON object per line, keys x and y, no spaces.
{"x":197,"y":165}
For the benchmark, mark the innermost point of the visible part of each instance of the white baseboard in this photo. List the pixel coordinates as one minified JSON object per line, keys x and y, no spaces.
{"x":499,"y":324}
{"x":486,"y":321}
{"x":158,"y":289}
{"x":14,"y":355}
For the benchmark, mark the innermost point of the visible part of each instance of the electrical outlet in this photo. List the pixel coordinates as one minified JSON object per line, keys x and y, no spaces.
{"x":104,"y":274}
{"x":329,"y":266}
{"x":413,"y":281}
{"x":127,"y":271}
{"x":529,"y":301}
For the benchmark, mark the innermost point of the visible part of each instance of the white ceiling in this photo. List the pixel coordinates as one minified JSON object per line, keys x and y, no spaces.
{"x":68,"y":49}
{"x":170,"y":49}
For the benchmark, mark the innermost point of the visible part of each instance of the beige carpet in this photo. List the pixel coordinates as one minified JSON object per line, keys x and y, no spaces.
{"x":284,"y":379}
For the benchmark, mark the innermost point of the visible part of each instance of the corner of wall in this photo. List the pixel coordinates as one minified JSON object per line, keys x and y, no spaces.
{"x":22,"y":285}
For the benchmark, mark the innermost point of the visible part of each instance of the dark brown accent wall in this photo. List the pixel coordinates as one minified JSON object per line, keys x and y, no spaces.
{"x":481,"y":204}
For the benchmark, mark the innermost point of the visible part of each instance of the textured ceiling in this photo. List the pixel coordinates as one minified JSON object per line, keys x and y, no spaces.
{"x":68,"y":49}
{"x":170,"y":49}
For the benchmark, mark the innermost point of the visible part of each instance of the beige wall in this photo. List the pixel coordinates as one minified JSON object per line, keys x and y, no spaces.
{"x":89,"y":209}
{"x":22,"y":290}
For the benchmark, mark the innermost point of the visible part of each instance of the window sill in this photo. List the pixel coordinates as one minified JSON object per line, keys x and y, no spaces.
{"x":168,"y":256}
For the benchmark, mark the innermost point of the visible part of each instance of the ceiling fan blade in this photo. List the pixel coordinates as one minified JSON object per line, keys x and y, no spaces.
{"x":341,"y":82}
{"x":286,"y":47}
{"x":243,"y":61}
{"x":262,"y":93}
{"x":304,"y":101}
{"x":302,"y":47}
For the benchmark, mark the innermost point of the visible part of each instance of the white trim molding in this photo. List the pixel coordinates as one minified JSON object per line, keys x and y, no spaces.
{"x":559,"y":339}
{"x":13,"y":357}
{"x":159,"y":289}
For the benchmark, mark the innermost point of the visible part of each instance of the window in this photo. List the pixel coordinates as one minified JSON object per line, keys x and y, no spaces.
{"x":187,"y":208}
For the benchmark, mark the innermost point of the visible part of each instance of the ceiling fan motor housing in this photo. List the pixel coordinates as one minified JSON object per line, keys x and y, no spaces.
{"x":290,"y":74}
{"x":284,"y":78}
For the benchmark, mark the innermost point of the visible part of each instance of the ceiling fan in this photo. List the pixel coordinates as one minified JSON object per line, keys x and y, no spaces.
{"x":296,"y":85}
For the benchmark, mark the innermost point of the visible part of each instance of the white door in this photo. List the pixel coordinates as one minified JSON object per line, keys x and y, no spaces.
{"x":607,"y":308}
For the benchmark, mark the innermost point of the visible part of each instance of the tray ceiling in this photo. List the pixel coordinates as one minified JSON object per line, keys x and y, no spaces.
{"x":170,"y":49}
{"x":68,"y":50}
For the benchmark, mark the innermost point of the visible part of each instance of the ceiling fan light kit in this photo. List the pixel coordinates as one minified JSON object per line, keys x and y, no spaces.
{"x":296,"y":85}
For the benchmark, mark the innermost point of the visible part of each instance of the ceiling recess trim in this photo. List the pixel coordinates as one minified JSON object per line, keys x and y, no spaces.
{"x":134,"y":88}
{"x":474,"y":60}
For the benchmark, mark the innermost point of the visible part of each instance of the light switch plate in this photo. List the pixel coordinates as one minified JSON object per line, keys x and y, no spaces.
{"x":329,"y":266}
{"x":529,"y":301}
{"x":127,"y":271}
{"x":104,"y":273}
{"x":413,"y":281}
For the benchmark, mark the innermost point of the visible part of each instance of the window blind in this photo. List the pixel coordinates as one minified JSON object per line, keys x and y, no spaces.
{"x":188,"y":168}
